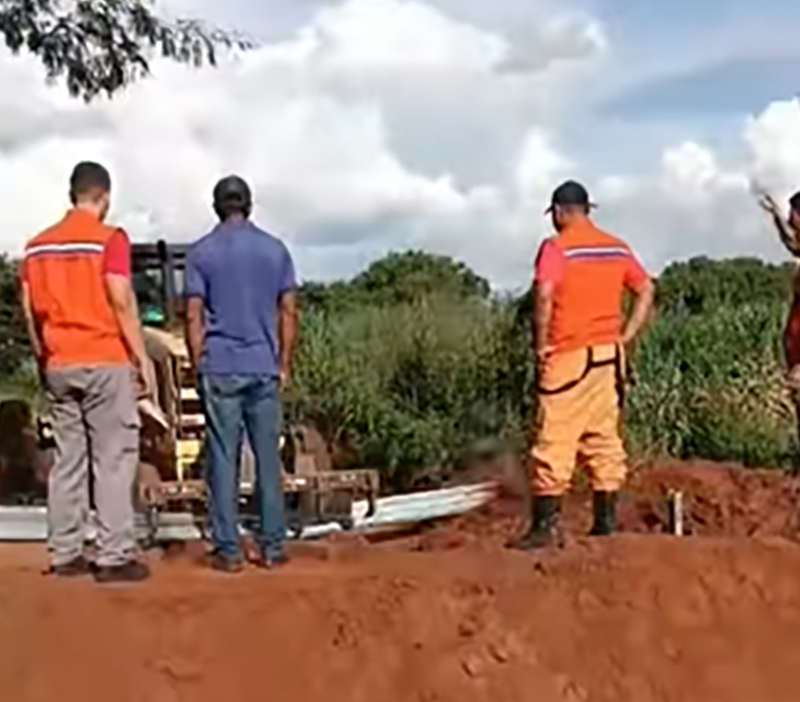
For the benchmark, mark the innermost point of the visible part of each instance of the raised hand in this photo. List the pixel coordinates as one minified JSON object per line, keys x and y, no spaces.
{"x":769,"y":205}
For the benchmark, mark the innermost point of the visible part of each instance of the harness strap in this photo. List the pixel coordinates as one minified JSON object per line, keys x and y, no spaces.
{"x":591,"y":364}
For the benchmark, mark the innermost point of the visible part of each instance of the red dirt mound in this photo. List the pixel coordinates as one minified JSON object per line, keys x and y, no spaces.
{"x":445,"y":615}
{"x":719,"y":500}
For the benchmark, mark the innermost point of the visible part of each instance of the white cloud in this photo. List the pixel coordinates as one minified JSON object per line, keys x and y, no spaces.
{"x":564,"y":36}
{"x":691,"y":176}
{"x":407,"y":37}
{"x":694,"y":206}
{"x":539,"y":166}
{"x":773,"y":138}
{"x":381,"y":124}
{"x":306,"y":120}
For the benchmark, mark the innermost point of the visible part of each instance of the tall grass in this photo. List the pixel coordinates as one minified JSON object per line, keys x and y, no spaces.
{"x":412,"y":386}
{"x":409,"y":387}
{"x":23,"y":385}
{"x":712,"y":386}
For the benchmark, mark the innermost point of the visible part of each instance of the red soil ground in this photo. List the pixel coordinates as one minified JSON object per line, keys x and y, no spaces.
{"x":447,"y":614}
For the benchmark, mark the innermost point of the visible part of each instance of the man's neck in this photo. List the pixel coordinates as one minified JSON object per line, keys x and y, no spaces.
{"x":234,"y":219}
{"x":575,"y":223}
{"x":87,"y":208}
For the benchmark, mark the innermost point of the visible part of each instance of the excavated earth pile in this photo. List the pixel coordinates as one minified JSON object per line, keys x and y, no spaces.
{"x":442,"y":615}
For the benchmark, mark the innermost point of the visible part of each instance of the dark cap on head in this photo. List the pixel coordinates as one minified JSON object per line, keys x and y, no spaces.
{"x":570,"y":193}
{"x":88,"y":176}
{"x":794,"y":202}
{"x":232,"y":194}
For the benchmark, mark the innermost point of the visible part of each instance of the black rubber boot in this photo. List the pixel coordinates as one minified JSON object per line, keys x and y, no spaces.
{"x":543,"y":531}
{"x":605,"y":514}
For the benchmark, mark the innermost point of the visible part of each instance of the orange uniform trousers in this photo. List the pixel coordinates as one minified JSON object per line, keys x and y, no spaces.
{"x":579,"y":422}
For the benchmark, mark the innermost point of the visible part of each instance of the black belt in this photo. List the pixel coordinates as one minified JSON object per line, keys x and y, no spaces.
{"x":591,"y":364}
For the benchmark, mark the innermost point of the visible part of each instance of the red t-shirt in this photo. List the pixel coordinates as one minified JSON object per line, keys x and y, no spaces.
{"x":117,"y":255}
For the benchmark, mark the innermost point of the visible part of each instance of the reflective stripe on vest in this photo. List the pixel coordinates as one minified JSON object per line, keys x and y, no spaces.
{"x":64,"y":272}
{"x":64,"y":249}
{"x":595,"y":252}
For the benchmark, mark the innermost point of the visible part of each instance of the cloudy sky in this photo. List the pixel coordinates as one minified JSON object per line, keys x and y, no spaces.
{"x":373,"y":125}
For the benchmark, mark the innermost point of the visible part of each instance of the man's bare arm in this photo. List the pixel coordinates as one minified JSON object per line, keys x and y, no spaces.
{"x":31,"y":325}
{"x":542,"y":316}
{"x":790,"y":236}
{"x":640,"y":313}
{"x":123,"y":304}
{"x":287,"y":333}
{"x":195,"y":330}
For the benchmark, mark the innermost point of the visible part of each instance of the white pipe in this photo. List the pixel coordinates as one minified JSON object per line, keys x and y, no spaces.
{"x":30,"y":523}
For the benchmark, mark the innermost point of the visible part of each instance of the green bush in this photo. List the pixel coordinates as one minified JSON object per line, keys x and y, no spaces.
{"x":711,"y":386}
{"x":411,"y":386}
{"x":413,"y":363}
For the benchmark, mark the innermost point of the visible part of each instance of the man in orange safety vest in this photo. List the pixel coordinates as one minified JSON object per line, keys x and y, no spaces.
{"x":582,"y":274}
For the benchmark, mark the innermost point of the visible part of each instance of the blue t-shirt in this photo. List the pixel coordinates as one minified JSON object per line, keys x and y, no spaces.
{"x":241,"y":273}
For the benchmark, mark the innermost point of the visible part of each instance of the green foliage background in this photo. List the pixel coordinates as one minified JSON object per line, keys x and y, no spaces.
{"x":409,"y":381}
{"x":414,"y":362}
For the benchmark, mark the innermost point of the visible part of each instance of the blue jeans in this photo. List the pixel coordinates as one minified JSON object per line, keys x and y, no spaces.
{"x":232,"y":404}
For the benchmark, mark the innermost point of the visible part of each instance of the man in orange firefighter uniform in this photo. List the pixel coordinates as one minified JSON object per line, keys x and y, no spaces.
{"x":582,"y":274}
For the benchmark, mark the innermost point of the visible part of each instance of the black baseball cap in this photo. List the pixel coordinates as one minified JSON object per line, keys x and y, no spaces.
{"x":570,"y":193}
{"x":794,"y":202}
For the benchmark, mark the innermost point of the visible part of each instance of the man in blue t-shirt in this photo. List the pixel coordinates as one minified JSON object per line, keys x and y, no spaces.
{"x":241,"y":331}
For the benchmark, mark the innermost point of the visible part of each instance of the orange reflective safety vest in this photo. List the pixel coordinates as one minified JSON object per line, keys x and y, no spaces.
{"x":63,"y":268}
{"x":596,"y":269}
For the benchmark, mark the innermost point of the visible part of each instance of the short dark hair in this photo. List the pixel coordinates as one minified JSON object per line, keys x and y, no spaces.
{"x":794,"y":202}
{"x":88,"y":178}
{"x":576,"y":209}
{"x":232,"y":196}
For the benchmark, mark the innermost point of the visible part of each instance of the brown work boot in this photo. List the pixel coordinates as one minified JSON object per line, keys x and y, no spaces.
{"x":130,"y":572}
{"x":75,"y":568}
{"x":226,"y":564}
{"x":543,"y":531}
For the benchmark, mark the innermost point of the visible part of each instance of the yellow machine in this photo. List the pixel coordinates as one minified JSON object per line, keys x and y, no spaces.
{"x":171,"y":473}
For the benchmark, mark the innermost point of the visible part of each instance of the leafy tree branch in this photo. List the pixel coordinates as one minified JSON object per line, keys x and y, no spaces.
{"x":100,"y":46}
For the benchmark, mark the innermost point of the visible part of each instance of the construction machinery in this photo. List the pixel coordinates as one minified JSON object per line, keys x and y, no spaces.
{"x":170,"y":493}
{"x":171,"y":474}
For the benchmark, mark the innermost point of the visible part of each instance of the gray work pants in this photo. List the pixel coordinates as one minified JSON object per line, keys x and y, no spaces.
{"x":96,"y":427}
